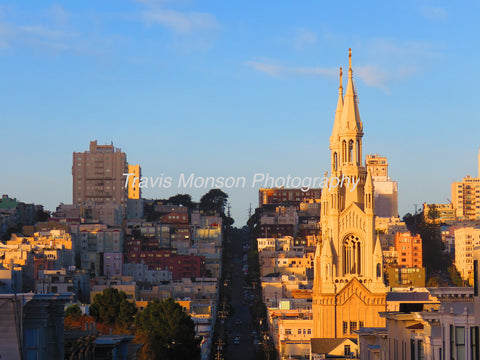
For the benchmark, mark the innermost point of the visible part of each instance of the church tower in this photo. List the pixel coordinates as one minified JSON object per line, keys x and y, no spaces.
{"x":348,"y":290}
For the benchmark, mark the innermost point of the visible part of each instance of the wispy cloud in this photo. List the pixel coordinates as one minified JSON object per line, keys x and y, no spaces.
{"x":373,"y":76}
{"x":52,"y":32}
{"x":280,"y":70}
{"x":181,"y":23}
{"x":434,"y":13}
{"x":44,"y":32}
{"x":303,"y":38}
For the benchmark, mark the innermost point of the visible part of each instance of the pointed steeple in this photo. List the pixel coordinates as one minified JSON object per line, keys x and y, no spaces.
{"x":327,"y":249}
{"x":338,"y":113}
{"x":369,"y":182}
{"x":350,"y":120}
{"x":378,"y":248}
{"x":369,"y":198}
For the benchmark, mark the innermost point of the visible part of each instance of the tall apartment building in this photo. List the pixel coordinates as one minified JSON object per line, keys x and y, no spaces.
{"x":98,"y":175}
{"x":465,"y":240}
{"x":386,"y":190}
{"x":409,"y":249}
{"x":466,"y":198}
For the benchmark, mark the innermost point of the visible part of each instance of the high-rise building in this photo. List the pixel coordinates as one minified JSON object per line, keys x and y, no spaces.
{"x":466,"y":198}
{"x":386,"y":190}
{"x":98,"y":175}
{"x":348,"y":290}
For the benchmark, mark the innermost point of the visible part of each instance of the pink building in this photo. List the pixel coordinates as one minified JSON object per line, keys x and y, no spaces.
{"x":112,"y":264}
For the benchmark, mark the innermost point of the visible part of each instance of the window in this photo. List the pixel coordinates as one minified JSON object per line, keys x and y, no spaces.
{"x":474,"y":342}
{"x":460,"y":342}
{"x":288,"y":332}
{"x":361,"y":324}
{"x":299,"y":331}
{"x":353,"y":326}
{"x":421,"y":354}
{"x":346,"y":350}
{"x":345,"y":327}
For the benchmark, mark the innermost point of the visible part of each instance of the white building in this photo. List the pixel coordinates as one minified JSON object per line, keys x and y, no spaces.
{"x":465,"y":239}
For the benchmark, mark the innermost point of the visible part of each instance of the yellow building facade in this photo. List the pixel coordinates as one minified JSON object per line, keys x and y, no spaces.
{"x":348,"y":290}
{"x":133,"y":191}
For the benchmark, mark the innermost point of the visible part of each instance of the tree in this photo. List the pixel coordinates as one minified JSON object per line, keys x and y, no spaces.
{"x":433,"y":213}
{"x":167,"y":332}
{"x":112,"y":308}
{"x":181,"y":199}
{"x":73,"y":312}
{"x":214,"y":200}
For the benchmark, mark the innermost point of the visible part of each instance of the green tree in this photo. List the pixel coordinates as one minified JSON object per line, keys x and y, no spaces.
{"x":112,"y":308}
{"x":167,"y":332}
{"x":214,"y":200}
{"x":73,"y":311}
{"x":181,"y":199}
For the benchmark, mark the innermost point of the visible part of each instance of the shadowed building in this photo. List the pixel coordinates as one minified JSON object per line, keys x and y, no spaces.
{"x":98,"y":175}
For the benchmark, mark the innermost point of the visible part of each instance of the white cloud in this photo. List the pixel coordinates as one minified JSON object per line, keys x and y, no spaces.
{"x":181,"y":23}
{"x":303,"y":38}
{"x":42,"y":31}
{"x":434,"y":13}
{"x":59,"y":15}
{"x":408,"y":51}
{"x":373,"y":76}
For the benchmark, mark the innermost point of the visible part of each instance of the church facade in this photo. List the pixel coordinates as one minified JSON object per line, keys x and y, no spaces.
{"x":348,"y":290}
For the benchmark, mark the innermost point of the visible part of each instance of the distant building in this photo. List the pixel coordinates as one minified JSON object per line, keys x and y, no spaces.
{"x":465,"y":240}
{"x":98,"y":175}
{"x":409,"y":249}
{"x":64,"y":281}
{"x":386,"y":190}
{"x":446,"y":213}
{"x":281,"y":196}
{"x":133,"y":186}
{"x":112,"y":264}
{"x":387,"y":228}
{"x":466,"y":197}
{"x":406,"y":277}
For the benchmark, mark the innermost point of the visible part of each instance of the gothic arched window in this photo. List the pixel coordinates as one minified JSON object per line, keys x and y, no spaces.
{"x":350,"y":151}
{"x":352,"y":255}
{"x":359,"y":153}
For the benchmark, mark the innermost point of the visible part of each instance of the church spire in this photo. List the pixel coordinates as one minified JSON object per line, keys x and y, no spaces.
{"x":338,"y":112}
{"x":350,"y":120}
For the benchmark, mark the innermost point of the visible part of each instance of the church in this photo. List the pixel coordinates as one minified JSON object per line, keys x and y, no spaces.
{"x":348,"y":290}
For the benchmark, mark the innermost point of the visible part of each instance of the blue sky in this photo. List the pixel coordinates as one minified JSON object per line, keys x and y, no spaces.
{"x":232,"y":88}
